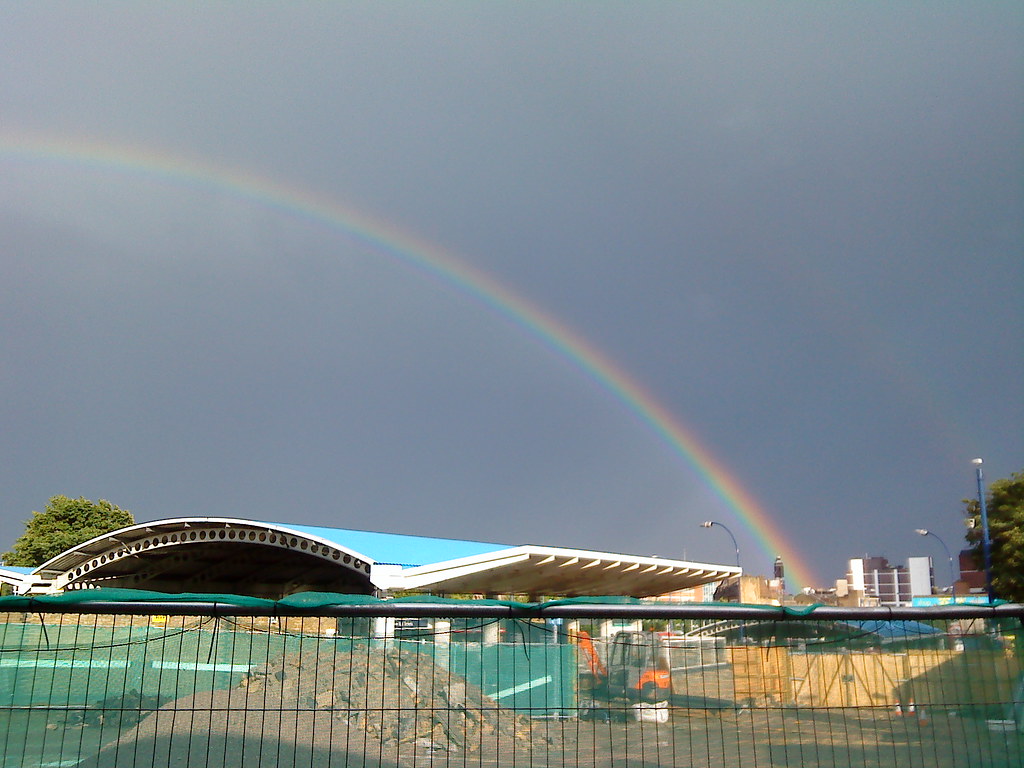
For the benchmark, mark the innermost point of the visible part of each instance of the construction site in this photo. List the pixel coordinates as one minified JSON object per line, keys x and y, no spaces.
{"x":350,"y":682}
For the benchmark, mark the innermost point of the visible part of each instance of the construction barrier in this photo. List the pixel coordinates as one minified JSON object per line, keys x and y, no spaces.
{"x":117,"y":678}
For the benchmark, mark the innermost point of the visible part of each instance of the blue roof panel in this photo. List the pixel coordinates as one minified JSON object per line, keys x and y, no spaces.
{"x":398,"y":548}
{"x":17,"y":569}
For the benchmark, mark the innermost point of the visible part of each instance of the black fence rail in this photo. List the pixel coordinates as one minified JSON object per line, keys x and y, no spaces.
{"x":109,"y":679}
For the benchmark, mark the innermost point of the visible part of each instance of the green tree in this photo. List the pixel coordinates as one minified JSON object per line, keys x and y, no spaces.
{"x":64,"y":524}
{"x":1004,"y":502}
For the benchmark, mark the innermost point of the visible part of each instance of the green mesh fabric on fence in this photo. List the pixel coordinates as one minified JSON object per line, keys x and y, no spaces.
{"x":787,"y":689}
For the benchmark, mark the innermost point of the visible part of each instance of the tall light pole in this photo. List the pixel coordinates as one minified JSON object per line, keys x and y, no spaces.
{"x":711,"y":523}
{"x":926,"y":532}
{"x":986,"y":542}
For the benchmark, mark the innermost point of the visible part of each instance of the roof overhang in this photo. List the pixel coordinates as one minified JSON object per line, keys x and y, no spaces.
{"x":553,"y":571}
{"x":22,"y":580}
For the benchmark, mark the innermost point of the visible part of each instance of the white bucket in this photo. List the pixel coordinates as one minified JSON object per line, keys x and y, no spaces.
{"x":651,"y":713}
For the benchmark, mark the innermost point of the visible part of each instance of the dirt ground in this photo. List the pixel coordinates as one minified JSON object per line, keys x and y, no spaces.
{"x":773,"y":738}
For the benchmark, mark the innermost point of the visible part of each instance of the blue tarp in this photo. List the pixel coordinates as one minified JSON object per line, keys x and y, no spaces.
{"x":894,"y":629}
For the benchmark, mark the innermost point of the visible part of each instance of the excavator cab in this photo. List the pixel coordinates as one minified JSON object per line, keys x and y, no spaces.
{"x":638,"y":667}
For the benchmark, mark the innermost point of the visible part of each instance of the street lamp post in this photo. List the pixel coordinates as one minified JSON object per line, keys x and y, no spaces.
{"x":742,"y":629}
{"x":925,"y":532}
{"x":986,"y":541}
{"x":711,"y":523}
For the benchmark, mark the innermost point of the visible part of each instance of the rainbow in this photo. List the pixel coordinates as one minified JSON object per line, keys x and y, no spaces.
{"x":431,"y":260}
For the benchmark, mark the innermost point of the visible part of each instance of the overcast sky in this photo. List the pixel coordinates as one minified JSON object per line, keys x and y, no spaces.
{"x":799,"y":227}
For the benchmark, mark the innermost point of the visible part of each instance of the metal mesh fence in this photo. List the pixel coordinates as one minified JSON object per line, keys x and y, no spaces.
{"x":394,"y":683}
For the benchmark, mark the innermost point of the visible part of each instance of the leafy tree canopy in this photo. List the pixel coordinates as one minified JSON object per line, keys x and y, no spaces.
{"x":64,"y":524}
{"x":1004,"y":503}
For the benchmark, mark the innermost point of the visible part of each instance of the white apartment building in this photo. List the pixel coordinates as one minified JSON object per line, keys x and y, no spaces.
{"x":880,"y":583}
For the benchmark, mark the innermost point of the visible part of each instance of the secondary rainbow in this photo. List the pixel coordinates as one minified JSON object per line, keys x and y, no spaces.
{"x":440,"y":264}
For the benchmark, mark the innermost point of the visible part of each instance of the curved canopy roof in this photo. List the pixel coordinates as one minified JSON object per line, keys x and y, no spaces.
{"x":215,"y":554}
{"x":211,"y":554}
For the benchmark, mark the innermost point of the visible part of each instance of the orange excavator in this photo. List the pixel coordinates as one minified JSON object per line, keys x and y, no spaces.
{"x":637,"y":666}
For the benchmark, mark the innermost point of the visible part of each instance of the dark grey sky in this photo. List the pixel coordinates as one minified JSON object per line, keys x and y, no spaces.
{"x":799,"y":226}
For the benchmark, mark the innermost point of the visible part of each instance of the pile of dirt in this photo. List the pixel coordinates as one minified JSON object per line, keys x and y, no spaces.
{"x":364,"y":707}
{"x":395,"y":696}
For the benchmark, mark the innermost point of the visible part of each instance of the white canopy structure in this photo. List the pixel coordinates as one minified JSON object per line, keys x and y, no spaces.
{"x":216,"y":554}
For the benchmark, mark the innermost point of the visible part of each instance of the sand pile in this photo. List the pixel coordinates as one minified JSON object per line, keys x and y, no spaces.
{"x":365,"y":707}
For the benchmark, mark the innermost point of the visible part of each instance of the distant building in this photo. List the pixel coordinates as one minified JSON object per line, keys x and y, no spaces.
{"x":873,"y":581}
{"x":745,"y":588}
{"x":779,"y":580}
{"x":972,"y":578}
{"x":704,"y":593}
